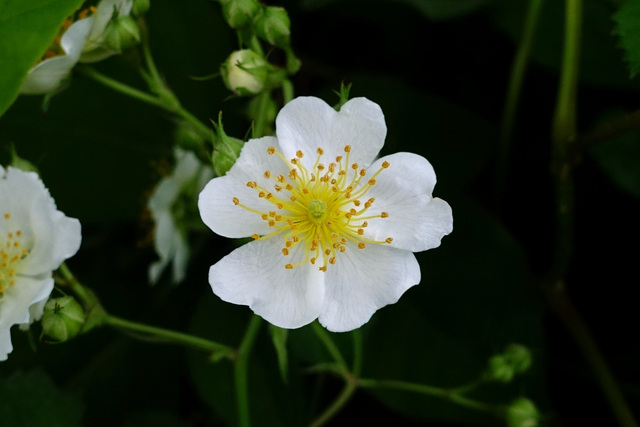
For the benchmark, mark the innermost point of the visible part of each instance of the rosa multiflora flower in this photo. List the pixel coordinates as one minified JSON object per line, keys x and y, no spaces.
{"x":81,"y":41}
{"x":334,"y":229}
{"x":35,"y":238}
{"x":170,"y":207}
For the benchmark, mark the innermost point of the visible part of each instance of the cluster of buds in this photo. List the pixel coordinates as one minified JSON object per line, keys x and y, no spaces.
{"x":503,"y":367}
{"x":247,"y":72}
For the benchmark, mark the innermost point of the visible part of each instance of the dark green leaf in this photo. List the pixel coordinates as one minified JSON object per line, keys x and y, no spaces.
{"x":628,"y":28}
{"x":27,"y":28}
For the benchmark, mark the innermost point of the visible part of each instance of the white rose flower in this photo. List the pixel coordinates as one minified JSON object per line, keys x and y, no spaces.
{"x":169,"y":206}
{"x":35,"y":238}
{"x":83,"y":41}
{"x":334,"y":229}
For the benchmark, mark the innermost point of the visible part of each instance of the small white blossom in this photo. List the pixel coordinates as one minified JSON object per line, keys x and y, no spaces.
{"x":83,"y":41}
{"x":35,"y":238}
{"x":334,"y":229}
{"x":169,"y":206}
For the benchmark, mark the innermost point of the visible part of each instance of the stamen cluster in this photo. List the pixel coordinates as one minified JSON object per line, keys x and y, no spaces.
{"x":323,"y":209}
{"x":12,"y":251}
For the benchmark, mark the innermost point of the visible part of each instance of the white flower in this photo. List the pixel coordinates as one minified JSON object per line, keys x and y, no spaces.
{"x":334,"y":230}
{"x":35,"y":238}
{"x":169,"y":206}
{"x":83,"y":41}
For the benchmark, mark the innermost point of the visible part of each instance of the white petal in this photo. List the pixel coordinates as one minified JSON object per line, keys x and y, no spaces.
{"x":48,"y":75}
{"x":364,"y":280}
{"x":308,"y":123}
{"x":163,"y":242}
{"x":416,"y":221}
{"x":216,"y":205}
{"x":254,"y":275}
{"x":14,"y":307}
{"x":5,"y":343}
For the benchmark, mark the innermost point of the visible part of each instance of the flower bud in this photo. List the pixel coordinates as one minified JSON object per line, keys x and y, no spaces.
{"x":63,"y":319}
{"x":519,"y":357}
{"x":244,"y":72}
{"x":122,"y":33}
{"x":20,"y":163}
{"x":239,"y":13}
{"x":522,"y":413}
{"x":272,"y":24}
{"x":140,"y":7}
{"x":226,"y":150}
{"x":514,"y":360}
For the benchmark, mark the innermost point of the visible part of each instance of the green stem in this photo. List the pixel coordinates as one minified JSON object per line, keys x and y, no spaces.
{"x":86,"y":297}
{"x":120,"y":87}
{"x":605,"y":131}
{"x":344,"y":396}
{"x":169,"y":336}
{"x":329,"y":345}
{"x":432,"y":391}
{"x":357,"y":352}
{"x":564,"y":140}
{"x":260,"y":121}
{"x":241,"y":371}
{"x":513,"y":92}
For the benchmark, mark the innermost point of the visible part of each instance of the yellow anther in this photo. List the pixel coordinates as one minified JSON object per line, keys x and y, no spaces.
{"x":262,"y":194}
{"x":385,"y":164}
{"x":320,"y":151}
{"x":7,"y":215}
{"x":255,"y":236}
{"x":236,"y":201}
{"x":285,"y":251}
{"x":372,"y":182}
{"x":271,"y":150}
{"x":289,"y":267}
{"x":354,"y":166}
{"x":347,"y":148}
{"x":384,"y":214}
{"x":388,"y":240}
{"x":363,"y":172}
{"x":361,"y":245}
{"x":360,"y":231}
{"x":267,"y":174}
{"x":252,"y":184}
{"x":300,"y":154}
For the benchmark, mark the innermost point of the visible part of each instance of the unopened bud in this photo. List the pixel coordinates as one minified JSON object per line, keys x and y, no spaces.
{"x":239,"y":13}
{"x":244,"y":72}
{"x":122,"y":33}
{"x":63,"y":319}
{"x":226,"y":150}
{"x":20,"y":163}
{"x":272,"y":24}
{"x":522,"y":413}
{"x":514,"y":360}
{"x":140,"y":7}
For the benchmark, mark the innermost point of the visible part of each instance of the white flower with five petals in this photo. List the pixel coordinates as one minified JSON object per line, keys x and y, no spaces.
{"x":334,"y":229}
{"x":35,"y":238}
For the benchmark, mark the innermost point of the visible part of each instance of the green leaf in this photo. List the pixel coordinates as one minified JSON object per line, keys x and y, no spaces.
{"x":279,"y":339}
{"x":27,"y":28}
{"x":628,"y":28}
{"x":31,"y":399}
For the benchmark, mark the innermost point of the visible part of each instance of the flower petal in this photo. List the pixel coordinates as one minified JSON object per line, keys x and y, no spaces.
{"x":15,"y":307}
{"x":308,"y":123}
{"x":48,"y":75}
{"x":254,"y":275}
{"x":416,"y":221}
{"x":216,"y":205}
{"x":364,"y":280}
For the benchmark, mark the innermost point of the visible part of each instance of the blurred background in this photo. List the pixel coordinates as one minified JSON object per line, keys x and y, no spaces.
{"x":439,"y":70}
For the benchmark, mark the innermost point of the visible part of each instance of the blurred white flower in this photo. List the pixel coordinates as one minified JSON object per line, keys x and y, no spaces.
{"x":173,"y":209}
{"x":35,"y":238}
{"x":82,"y":41}
{"x":334,"y":228}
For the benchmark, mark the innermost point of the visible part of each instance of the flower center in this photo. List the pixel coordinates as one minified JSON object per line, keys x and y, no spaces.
{"x":12,"y":252}
{"x":322,"y":210}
